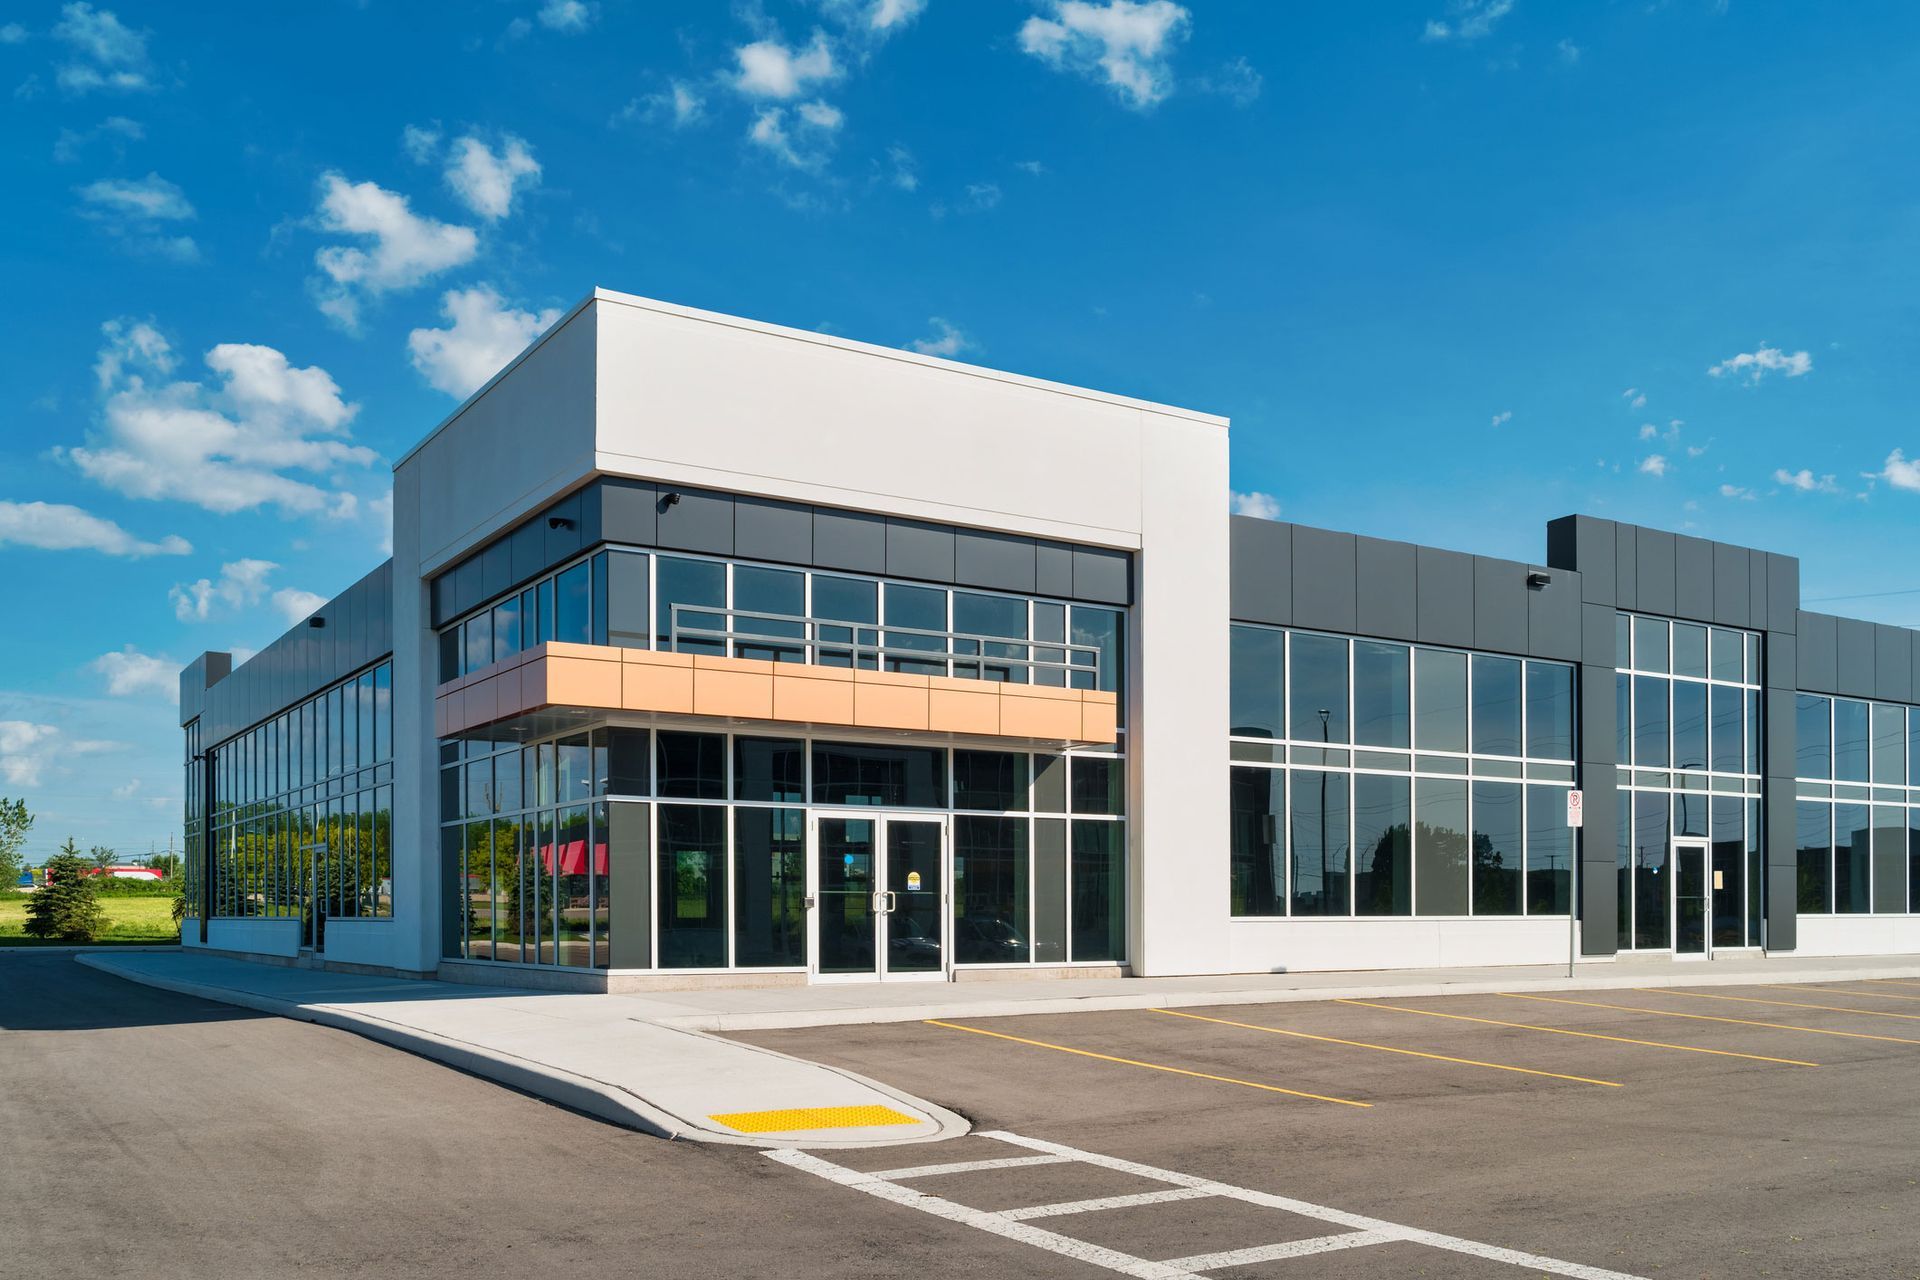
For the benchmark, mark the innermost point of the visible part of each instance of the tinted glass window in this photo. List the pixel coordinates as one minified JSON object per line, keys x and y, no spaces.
{"x":770,"y":887}
{"x":627,"y":600}
{"x":693,"y":765}
{"x":1889,"y":745}
{"x":1622,"y":640}
{"x":1549,"y":711}
{"x":627,"y":761}
{"x":1852,"y":858}
{"x":1259,"y":806}
{"x":1440,"y":846}
{"x":1650,"y":722}
{"x":1318,"y":825}
{"x":1099,"y":891}
{"x":693,"y":585}
{"x":1689,"y":725}
{"x":1729,"y":753}
{"x":1382,"y":714}
{"x":574,"y":760}
{"x":780,"y":592}
{"x":1257,"y":683}
{"x":1440,"y":700}
{"x":1101,"y":629}
{"x":769,"y":769}
{"x":1813,"y":736}
{"x":478,"y":632}
{"x":848,"y":774}
{"x":1754,"y":730}
{"x":1689,"y":650}
{"x":1649,"y":644}
{"x":1849,"y":740}
{"x":979,"y":615}
{"x":922,"y":609}
{"x":449,"y":654}
{"x":599,"y":565}
{"x":1814,"y":835}
{"x":1318,"y":697}
{"x":1097,"y":784}
{"x":691,"y":887}
{"x":1496,"y":706}
{"x":990,"y":908}
{"x":1549,"y":852}
{"x":1497,"y":856}
{"x":1382,"y":846}
{"x":846,"y":600}
{"x":995,"y":780}
{"x":1650,"y":844}
{"x":572,"y":606}
{"x":1728,"y":647}
{"x":506,"y":628}
{"x":1623,"y":719}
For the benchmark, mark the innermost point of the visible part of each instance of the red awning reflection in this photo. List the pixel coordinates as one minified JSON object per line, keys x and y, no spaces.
{"x":573,"y":858}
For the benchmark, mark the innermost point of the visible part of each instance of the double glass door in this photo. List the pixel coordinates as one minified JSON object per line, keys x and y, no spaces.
{"x":880,"y":896}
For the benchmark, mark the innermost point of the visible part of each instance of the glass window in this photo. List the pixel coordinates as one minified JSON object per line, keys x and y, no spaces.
{"x":1317,"y":826}
{"x":1813,"y":736}
{"x":846,"y":600}
{"x":769,"y":769}
{"x":1623,"y":718}
{"x":1050,"y":889}
{"x":449,"y":654}
{"x":576,"y":776}
{"x":1381,"y":711}
{"x":1651,"y":843}
{"x":1650,"y":722}
{"x":995,"y":780}
{"x":1549,"y":852}
{"x":1649,"y":644}
{"x":1099,"y":628}
{"x":990,"y":910}
{"x":1623,"y":847}
{"x":1729,"y":754}
{"x":543,"y":612}
{"x":1889,"y":859}
{"x":1050,"y":623}
{"x":1498,"y":860}
{"x":769,"y":887}
{"x":1689,"y":725}
{"x":1440,"y":700}
{"x":1383,"y":845}
{"x":572,"y":606}
{"x":850,"y":774}
{"x":599,"y":563}
{"x":1257,"y":683}
{"x":1098,"y":784}
{"x":781,"y":592}
{"x":1496,"y":706}
{"x":1259,"y":802}
{"x":922,"y":609}
{"x":627,"y":763}
{"x":1440,"y":846}
{"x":693,"y":585}
{"x":1913,"y":860}
{"x":1724,"y":886}
{"x":1728,"y":647}
{"x":1689,"y":650}
{"x":1099,"y":890}
{"x":1852,"y":859}
{"x":1889,"y":745}
{"x":692,"y":765}
{"x":1813,"y":833}
{"x":573,"y":888}
{"x":1849,"y":740}
{"x":1549,"y":711}
{"x":692,"y":876}
{"x":506,"y":628}
{"x":982,"y":615}
{"x":1913,"y":747}
{"x":1317,"y":700}
{"x":1754,"y":730}
{"x":627,"y":600}
{"x":478,"y":633}
{"x":1753,"y":658}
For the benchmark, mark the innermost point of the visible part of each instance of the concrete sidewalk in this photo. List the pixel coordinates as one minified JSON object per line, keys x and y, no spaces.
{"x":588,"y":1052}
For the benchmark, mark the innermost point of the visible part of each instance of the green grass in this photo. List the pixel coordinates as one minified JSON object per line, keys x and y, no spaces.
{"x":129,"y":920}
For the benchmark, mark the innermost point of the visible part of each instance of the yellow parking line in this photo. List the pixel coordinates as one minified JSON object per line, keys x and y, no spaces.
{"x":1584,"y":1035}
{"x":1787,"y":1004}
{"x":1361,"y":1044}
{"x":1707,"y":1017}
{"x":1151,"y":1066}
{"x":1835,"y":991}
{"x":1898,"y":982}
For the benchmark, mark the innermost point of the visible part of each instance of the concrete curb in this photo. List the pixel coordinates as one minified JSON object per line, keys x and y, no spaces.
{"x":722,"y":1023}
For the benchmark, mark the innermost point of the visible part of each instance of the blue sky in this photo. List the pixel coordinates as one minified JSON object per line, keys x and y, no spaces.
{"x":1453,"y":267}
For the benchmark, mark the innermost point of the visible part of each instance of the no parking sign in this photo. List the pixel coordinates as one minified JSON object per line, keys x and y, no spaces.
{"x":1576,"y":809}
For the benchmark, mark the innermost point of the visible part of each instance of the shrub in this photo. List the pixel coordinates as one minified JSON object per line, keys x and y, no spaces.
{"x":66,"y":906}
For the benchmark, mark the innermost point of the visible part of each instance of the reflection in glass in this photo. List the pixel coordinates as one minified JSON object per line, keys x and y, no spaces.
{"x":769,"y":887}
{"x":1317,"y":700}
{"x":847,"y":600}
{"x":1099,"y":881}
{"x":1258,"y":802}
{"x":1257,"y":683}
{"x":1727,"y":649}
{"x":627,"y":600}
{"x":1440,"y":697}
{"x":692,"y":881}
{"x":984,"y":615}
{"x":906,"y":777}
{"x":1889,"y":745}
{"x":1689,"y":725}
{"x":1097,"y":784}
{"x":1727,"y":878}
{"x":575,"y":865}
{"x":1383,"y":846}
{"x":1651,"y":891}
{"x":1440,"y":846}
{"x":1849,"y":740}
{"x":769,"y":769}
{"x":775,"y":591}
{"x":1728,"y":753}
{"x":1852,"y":859}
{"x":990,"y":891}
{"x":923,"y":609}
{"x":1317,"y":827}
{"x":1689,"y":650}
{"x":1549,"y":852}
{"x":1549,"y":711}
{"x":1650,"y":722}
{"x":1813,"y":736}
{"x":694,"y":586}
{"x":1889,"y":859}
{"x":995,"y":780}
{"x":1813,"y":834}
{"x":1649,"y":644}
{"x":1380,"y":694}
{"x":692,"y":765}
{"x":848,"y":852}
{"x":573,"y":606}
{"x":1497,"y":857}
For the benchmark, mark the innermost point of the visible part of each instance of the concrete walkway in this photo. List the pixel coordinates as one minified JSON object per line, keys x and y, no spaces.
{"x":588,"y":1052}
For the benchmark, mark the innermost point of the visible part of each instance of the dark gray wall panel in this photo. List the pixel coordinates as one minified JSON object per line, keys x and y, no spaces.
{"x":1892,"y":663}
{"x":919,"y":550}
{"x":526,"y":551}
{"x":1101,"y":575}
{"x":1596,"y":635}
{"x":1757,"y":613}
{"x":1778,"y":749}
{"x":1385,"y":591}
{"x":1499,"y":605}
{"x":1554,"y":620}
{"x":1819,"y":640}
{"x":767,"y":530}
{"x":1052,"y":568}
{"x":1563,"y":543}
{"x":1599,"y":933}
{"x":1783,"y":591}
{"x":466,"y":586}
{"x":1655,"y":562}
{"x":631,"y":883}
{"x":1780,"y":660}
{"x":571,"y":536}
{"x":1597,"y":548}
{"x":1693,"y":578}
{"x":1626,"y":566}
{"x":700,"y":521}
{"x":1261,"y":570}
{"x":496,"y":570}
{"x":1324,"y":596}
{"x":1732,"y":567}
{"x":849,"y":540}
{"x":1445,"y":599}
{"x":1855,"y":677}
{"x":1782,"y":883}
{"x":998,"y":561}
{"x":629,"y":512}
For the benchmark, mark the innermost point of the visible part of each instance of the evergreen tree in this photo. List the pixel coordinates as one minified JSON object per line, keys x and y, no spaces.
{"x":65,"y":907}
{"x":14,"y":824}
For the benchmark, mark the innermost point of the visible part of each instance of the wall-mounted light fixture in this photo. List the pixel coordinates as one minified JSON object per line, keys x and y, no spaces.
{"x":671,"y":500}
{"x":1537,"y":580}
{"x":316,"y":622}
{"x":559,"y":522}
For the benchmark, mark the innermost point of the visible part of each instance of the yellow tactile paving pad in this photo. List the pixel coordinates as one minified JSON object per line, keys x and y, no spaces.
{"x":811,"y":1118}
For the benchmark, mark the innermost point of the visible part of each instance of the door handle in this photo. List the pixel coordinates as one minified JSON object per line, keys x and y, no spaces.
{"x":893,"y":904}
{"x":878,"y":906}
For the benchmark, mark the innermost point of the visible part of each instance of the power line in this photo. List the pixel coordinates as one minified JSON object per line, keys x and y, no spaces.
{"x":1864,"y":595}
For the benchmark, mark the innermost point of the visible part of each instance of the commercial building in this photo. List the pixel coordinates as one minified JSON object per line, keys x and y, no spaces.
{"x":717,"y":652}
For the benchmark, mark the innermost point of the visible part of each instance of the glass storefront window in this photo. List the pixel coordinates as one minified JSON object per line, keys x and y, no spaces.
{"x":1317,"y":696}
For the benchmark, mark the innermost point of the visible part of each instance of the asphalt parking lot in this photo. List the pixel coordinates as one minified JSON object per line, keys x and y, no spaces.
{"x":1736,"y":1131}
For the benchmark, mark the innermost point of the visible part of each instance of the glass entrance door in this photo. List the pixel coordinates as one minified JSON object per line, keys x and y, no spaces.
{"x":879,"y":897}
{"x":1690,"y":900}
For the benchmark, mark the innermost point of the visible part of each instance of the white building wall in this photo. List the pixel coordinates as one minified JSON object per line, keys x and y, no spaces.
{"x":1302,"y":945}
{"x":1857,"y":936}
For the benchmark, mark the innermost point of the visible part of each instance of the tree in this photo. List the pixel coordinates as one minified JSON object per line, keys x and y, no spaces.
{"x":167,"y":864}
{"x":65,"y":907}
{"x":14,"y":824}
{"x":102,"y":856}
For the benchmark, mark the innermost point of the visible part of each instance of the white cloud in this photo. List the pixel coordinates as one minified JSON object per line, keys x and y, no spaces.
{"x":1736,"y":491}
{"x":241,"y":583}
{"x":294,"y":604}
{"x":947,"y":341}
{"x":486,"y":180}
{"x":402,"y":249}
{"x":1653,"y":465}
{"x":225,"y":448}
{"x":570,"y":16}
{"x":904,"y":175}
{"x":420,"y":142}
{"x":1033,"y":167}
{"x":130,"y":672}
{"x":1648,"y":431}
{"x":1635,"y":398}
{"x":1569,"y":51}
{"x":108,"y":54}
{"x":133,"y":209}
{"x":25,"y":748}
{"x":1757,"y":364}
{"x":57,"y":527}
{"x":1235,"y":80}
{"x":1262,"y":506}
{"x":1467,"y":20}
{"x":678,"y":104}
{"x":1121,"y":42}
{"x":381,"y":510}
{"x":67,"y":148}
{"x":1503,"y":417}
{"x":1900,"y":472}
{"x":800,"y":140}
{"x":1805,"y":481}
{"x":770,"y":69}
{"x":821,"y":115}
{"x":12,"y":33}
{"x":890,"y":15}
{"x":484,"y":335}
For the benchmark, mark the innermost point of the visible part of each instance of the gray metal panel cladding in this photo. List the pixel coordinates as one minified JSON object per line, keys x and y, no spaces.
{"x":1599,"y":933}
{"x":699,"y":521}
{"x":1386,"y":589}
{"x":1594,"y":553}
{"x":1780,"y":745}
{"x":996,"y":561}
{"x":1499,"y":605}
{"x":917,"y":549}
{"x":1626,"y":566}
{"x":1780,"y":660}
{"x":1732,"y":579}
{"x":857,"y":542}
{"x":629,"y":512}
{"x":1782,"y":880}
{"x":527,"y":550}
{"x":1261,"y":570}
{"x":1324,"y":598}
{"x":1655,"y":564}
{"x":1819,"y":641}
{"x":767,"y":530}
{"x":1556,"y":617}
{"x":1693,"y":578}
{"x":565,"y":535}
{"x":1757,"y":613}
{"x":1783,"y":592}
{"x":496,"y":569}
{"x":1102,"y":576}
{"x":1052,"y":568}
{"x":1444,"y":602}
{"x":1856,"y":656}
{"x":1892,"y":663}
